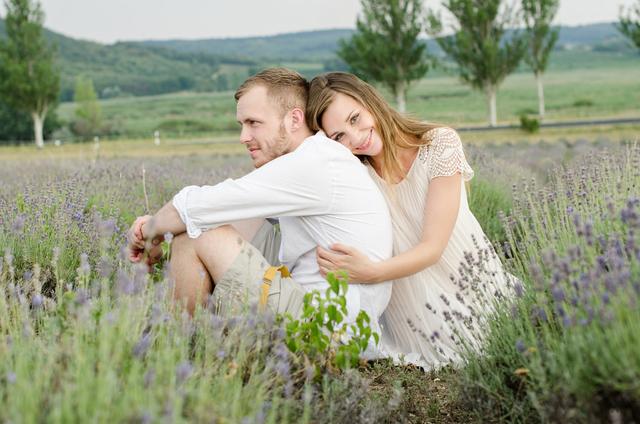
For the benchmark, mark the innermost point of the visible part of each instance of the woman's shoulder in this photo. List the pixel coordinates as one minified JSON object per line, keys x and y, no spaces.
{"x":437,"y":140}
{"x":442,"y":154}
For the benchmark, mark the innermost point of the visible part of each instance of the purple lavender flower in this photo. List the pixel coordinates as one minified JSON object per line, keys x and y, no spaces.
{"x":37,"y":301}
{"x":183,"y":371}
{"x":140,"y":349}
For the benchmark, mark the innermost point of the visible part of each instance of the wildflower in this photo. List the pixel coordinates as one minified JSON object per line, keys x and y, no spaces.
{"x":37,"y":301}
{"x":11,"y":377}
{"x":558,"y":294}
{"x":141,"y":348}
{"x":168,"y":237}
{"x":18,"y":224}
{"x":84,"y":268}
{"x":56,"y":255}
{"x":520,"y":346}
{"x":183,"y":371}
{"x":149,"y":378}
{"x":105,"y":268}
{"x":27,"y":275}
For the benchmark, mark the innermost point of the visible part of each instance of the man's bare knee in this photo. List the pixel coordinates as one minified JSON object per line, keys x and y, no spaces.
{"x":218,"y":248}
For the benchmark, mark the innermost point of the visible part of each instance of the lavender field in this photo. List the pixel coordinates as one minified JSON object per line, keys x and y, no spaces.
{"x":87,"y":337}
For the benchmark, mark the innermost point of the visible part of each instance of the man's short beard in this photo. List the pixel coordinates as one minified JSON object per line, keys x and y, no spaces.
{"x":281,"y":141}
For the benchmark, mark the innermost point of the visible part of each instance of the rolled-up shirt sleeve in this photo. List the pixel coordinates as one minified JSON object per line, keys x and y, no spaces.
{"x":290,"y":185}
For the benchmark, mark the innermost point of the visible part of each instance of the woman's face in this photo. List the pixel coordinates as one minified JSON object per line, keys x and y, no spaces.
{"x":349,"y":123}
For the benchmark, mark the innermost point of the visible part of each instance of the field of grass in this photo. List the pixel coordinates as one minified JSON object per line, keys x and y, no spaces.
{"x":609,"y":88}
{"x":84,"y":336}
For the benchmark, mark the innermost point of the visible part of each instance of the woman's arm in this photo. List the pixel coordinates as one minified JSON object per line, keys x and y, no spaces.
{"x":440,"y":215}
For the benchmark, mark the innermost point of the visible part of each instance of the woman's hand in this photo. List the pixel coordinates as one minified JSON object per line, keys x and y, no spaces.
{"x":359,"y":268}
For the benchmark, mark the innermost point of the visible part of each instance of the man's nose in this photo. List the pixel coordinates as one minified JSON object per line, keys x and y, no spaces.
{"x":245,"y":134}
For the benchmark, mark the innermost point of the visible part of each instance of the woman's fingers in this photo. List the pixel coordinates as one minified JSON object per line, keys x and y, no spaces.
{"x":325,"y":264}
{"x":341,"y":249}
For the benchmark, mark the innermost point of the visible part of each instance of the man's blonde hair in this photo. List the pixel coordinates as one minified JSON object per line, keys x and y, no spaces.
{"x":287,"y":89}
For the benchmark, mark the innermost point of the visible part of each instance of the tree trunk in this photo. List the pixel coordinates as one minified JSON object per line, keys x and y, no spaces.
{"x":400,"y":90}
{"x":38,"y":124}
{"x":490,"y":91}
{"x":540,"y":95}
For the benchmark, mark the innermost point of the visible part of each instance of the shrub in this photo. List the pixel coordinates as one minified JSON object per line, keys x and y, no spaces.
{"x":583,"y":103}
{"x":530,"y":125}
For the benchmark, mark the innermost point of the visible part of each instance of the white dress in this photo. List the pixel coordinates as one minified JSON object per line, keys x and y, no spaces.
{"x":433,"y":311}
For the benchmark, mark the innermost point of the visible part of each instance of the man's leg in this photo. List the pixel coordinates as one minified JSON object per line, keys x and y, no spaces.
{"x":196,"y":264}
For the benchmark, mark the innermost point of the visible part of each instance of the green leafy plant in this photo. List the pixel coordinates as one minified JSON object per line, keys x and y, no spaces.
{"x":321,"y":334}
{"x":530,"y":125}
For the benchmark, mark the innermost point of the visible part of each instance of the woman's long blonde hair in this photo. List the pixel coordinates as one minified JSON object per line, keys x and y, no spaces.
{"x":396,"y":131}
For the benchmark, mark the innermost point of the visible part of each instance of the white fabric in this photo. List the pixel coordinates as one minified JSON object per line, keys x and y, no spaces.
{"x":321,"y":194}
{"x":418,"y":324}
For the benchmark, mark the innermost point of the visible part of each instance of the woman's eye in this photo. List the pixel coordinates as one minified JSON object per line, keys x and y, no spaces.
{"x":354,"y":119}
{"x":338,"y":137}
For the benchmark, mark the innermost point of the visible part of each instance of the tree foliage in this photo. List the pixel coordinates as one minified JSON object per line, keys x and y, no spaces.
{"x":478,"y":45}
{"x":540,"y":38}
{"x":385,"y":47}
{"x":88,"y":112}
{"x":629,"y":24}
{"x":29,"y":80}
{"x":540,"y":35}
{"x":17,"y":126}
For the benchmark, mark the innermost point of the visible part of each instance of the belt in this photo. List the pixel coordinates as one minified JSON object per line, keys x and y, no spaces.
{"x":268,"y":277}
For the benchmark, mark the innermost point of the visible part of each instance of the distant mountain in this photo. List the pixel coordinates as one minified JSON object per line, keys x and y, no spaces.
{"x":307,"y":46}
{"x":321,"y":45}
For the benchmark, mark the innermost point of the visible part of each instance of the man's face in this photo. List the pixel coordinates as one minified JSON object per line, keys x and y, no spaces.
{"x":263,"y":130}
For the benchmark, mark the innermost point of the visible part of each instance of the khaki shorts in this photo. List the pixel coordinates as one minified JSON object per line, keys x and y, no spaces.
{"x":243,"y":283}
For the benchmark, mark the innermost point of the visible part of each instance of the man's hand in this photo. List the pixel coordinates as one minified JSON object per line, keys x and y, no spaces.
{"x":136,"y":240}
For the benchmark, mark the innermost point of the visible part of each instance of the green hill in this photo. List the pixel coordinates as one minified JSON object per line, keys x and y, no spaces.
{"x":135,"y":69}
{"x":157,"y":67}
{"x":309,"y":46}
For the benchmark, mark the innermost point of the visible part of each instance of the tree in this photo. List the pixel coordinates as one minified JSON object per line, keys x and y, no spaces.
{"x":29,"y":80}
{"x":629,"y":24}
{"x":16,"y":126}
{"x":385,"y":47}
{"x":88,"y":112}
{"x":485,"y":57}
{"x":541,"y":38}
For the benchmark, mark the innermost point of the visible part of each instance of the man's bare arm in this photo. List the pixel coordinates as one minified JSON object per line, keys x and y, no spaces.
{"x":166,"y":220}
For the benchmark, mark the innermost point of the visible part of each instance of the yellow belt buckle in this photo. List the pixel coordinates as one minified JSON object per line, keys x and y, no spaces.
{"x":268,"y":277}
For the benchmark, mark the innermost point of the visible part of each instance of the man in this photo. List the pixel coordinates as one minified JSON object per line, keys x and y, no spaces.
{"x":317,"y":189}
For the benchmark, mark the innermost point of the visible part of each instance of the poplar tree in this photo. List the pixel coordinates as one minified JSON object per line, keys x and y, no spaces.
{"x":629,"y":24}
{"x":29,"y":79}
{"x":485,"y":57}
{"x":385,"y":47}
{"x":541,"y":38}
{"x":88,"y":109}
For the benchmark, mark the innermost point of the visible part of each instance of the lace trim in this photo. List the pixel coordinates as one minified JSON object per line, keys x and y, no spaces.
{"x":444,"y":156}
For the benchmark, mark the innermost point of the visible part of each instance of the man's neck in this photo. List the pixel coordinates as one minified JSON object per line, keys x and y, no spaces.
{"x":298,"y":138}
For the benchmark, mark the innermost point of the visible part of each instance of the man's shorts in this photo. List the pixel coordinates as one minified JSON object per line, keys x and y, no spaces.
{"x":242,"y":284}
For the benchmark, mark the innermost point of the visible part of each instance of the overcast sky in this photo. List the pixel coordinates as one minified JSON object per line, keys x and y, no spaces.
{"x":108,"y":21}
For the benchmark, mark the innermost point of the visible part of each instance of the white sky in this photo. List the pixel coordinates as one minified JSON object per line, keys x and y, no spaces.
{"x":108,"y":21}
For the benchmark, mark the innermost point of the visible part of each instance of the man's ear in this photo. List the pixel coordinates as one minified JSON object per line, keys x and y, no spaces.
{"x":297,"y":119}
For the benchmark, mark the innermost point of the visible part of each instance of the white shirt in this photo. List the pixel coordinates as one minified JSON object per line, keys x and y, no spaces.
{"x":321,"y":194}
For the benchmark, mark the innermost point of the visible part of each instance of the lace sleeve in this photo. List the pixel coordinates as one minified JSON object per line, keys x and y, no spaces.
{"x":444,"y":157}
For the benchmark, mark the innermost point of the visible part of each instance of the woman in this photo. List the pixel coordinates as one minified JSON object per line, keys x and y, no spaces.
{"x":445,"y":272}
